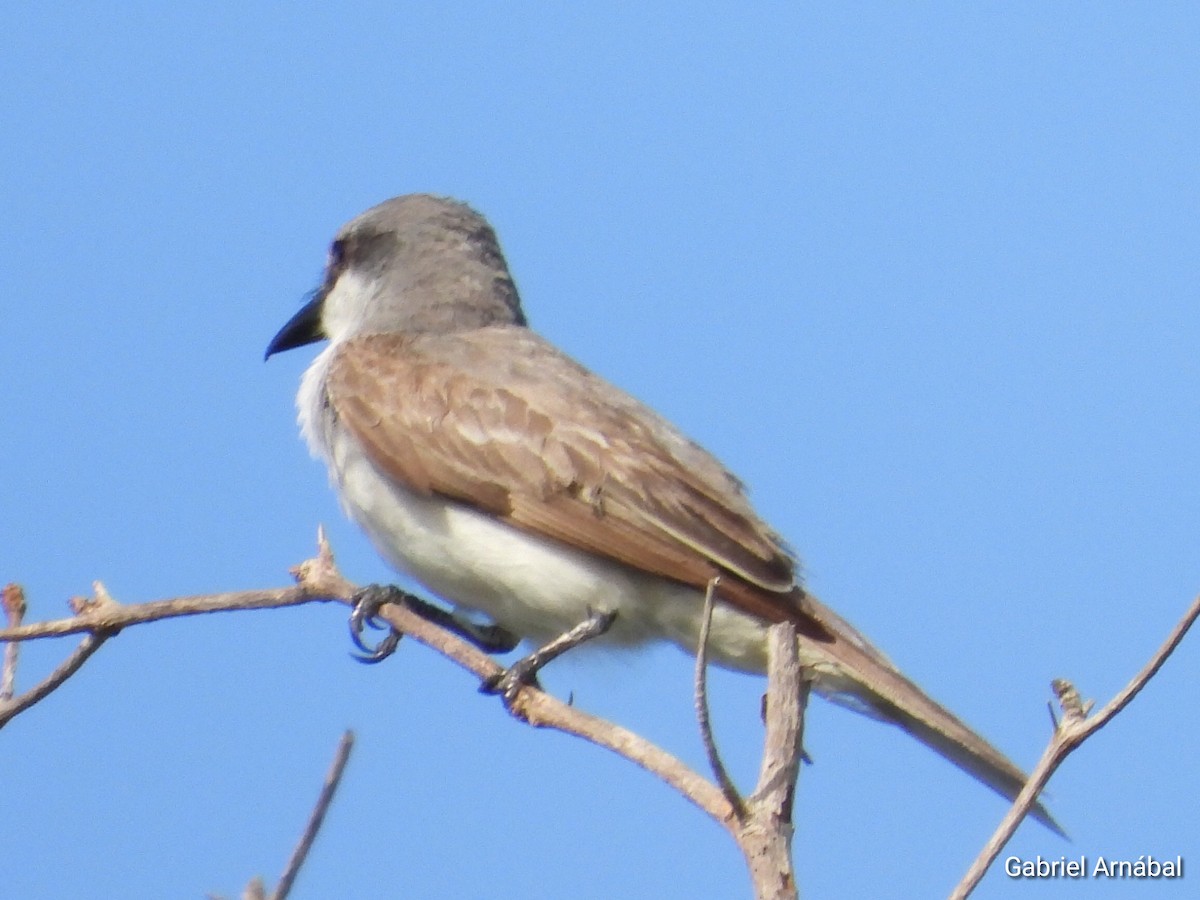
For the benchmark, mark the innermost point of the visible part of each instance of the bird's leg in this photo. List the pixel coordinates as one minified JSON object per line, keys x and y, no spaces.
{"x":367,"y":602}
{"x":524,"y":671}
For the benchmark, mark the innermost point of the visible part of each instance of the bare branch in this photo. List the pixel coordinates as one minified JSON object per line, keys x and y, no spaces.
{"x":118,"y":616}
{"x":68,"y":667}
{"x":101,"y":617}
{"x":728,"y":788}
{"x":318,"y":581}
{"x":787,"y":697}
{"x":332,"y":778}
{"x":1073,"y":729}
{"x":766,"y":833}
{"x":1140,"y":680}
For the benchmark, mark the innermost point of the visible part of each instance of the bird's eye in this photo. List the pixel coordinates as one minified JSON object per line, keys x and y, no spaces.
{"x":336,"y":264}
{"x":337,"y":254}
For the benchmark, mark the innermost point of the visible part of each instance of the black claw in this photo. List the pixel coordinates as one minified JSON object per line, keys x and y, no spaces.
{"x":366,"y":604}
{"x":379,"y":652}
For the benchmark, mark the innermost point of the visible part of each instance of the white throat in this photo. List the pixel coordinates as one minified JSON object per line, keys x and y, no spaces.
{"x":343,"y":312}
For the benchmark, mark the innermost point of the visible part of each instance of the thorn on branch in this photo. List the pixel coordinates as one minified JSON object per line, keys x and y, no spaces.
{"x":100,"y":601}
{"x":319,"y":576}
{"x":1073,"y":707}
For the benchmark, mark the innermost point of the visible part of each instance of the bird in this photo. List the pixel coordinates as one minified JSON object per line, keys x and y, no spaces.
{"x":511,"y":481}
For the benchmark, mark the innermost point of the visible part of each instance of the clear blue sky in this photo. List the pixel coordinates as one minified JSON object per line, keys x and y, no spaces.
{"x":926,"y":278}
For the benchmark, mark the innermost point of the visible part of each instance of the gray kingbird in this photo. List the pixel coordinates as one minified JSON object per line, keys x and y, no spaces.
{"x":509,"y":479}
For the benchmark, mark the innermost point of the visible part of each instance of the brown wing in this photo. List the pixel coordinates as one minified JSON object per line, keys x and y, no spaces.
{"x":500,"y":419}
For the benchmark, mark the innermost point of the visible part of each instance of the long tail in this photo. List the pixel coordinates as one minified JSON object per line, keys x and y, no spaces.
{"x":852,"y":672}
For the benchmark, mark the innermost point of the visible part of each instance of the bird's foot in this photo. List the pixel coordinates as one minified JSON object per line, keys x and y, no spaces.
{"x":508,"y":683}
{"x":523,"y":672}
{"x":366,"y":604}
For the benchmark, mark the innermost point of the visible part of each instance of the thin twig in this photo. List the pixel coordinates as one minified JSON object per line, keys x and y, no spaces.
{"x":66,"y":669}
{"x":13,"y":600}
{"x":1131,"y":690}
{"x":332,"y":778}
{"x":117,"y":616}
{"x":1073,"y":729}
{"x":101,"y":616}
{"x":728,"y":788}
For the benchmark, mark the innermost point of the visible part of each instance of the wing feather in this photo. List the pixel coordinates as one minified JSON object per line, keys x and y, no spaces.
{"x":500,"y":419}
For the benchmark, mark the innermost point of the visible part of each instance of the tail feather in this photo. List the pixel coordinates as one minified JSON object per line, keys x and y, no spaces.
{"x":853,"y":672}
